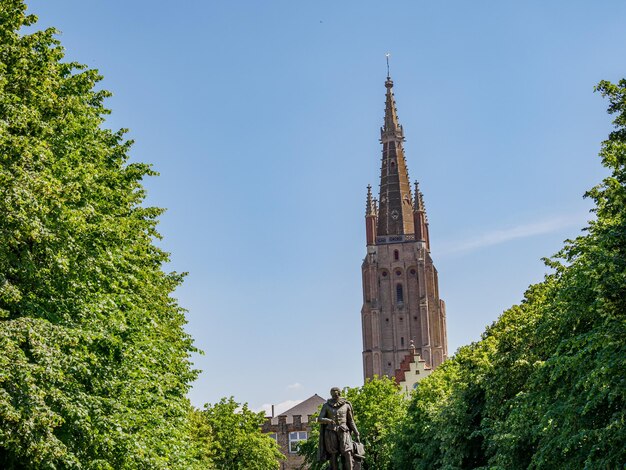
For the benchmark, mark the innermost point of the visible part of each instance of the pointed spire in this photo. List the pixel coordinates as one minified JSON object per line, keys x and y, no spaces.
{"x":391,"y":129}
{"x":396,"y":201}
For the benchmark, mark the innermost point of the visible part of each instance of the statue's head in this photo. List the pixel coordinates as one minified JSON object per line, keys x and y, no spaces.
{"x":335,"y":392}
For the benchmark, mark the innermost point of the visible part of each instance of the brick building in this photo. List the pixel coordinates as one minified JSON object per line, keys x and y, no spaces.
{"x":291,"y":427}
{"x":400,"y":287}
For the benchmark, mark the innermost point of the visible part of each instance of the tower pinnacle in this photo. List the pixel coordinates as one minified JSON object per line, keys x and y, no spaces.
{"x":419,"y":198}
{"x":369,"y":205}
{"x":420,"y":219}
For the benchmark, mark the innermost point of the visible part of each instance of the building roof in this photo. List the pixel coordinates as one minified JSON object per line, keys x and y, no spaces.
{"x":405,"y":365}
{"x":304,"y":409}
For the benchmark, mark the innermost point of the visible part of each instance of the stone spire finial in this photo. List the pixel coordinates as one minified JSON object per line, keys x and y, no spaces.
{"x":387,"y":55}
{"x":370,"y":206}
{"x":419,"y":199}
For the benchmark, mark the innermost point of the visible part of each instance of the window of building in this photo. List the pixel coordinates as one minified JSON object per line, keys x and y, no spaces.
{"x":401,"y":341}
{"x":413,"y":272}
{"x":274,"y":436}
{"x":396,"y":255}
{"x":399,"y":293}
{"x":294,"y":440}
{"x":398,"y":272}
{"x":384,"y":273}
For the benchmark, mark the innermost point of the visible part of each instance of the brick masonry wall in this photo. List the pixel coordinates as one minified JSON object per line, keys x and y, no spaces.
{"x":282,"y":430}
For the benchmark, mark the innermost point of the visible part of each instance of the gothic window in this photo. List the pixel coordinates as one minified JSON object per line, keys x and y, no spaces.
{"x":396,"y":255}
{"x":399,"y":293}
{"x":402,"y":341}
{"x":398,"y":272}
{"x":384,"y":273}
{"x":412,"y":272}
{"x":294,"y":440}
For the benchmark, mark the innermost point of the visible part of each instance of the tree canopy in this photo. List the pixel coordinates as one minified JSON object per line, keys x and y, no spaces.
{"x":95,"y":363}
{"x":236,"y":441}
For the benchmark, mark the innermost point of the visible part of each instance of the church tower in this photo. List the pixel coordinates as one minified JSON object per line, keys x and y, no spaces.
{"x":401,"y":305}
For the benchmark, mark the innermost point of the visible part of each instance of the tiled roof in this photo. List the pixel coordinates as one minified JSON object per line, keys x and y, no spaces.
{"x":304,"y":409}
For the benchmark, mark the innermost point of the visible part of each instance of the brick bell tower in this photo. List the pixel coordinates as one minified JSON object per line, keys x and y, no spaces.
{"x":401,"y":301}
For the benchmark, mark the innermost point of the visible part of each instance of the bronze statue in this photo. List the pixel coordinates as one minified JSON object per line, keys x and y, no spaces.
{"x":337,"y":421}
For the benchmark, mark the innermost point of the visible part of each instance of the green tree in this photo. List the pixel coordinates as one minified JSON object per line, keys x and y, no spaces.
{"x":95,"y":363}
{"x":576,"y":398}
{"x":378,"y":408}
{"x":236,"y":440}
{"x":441,"y":428}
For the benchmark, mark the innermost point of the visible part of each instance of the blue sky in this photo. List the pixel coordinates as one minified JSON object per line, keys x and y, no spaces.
{"x":263,"y":119}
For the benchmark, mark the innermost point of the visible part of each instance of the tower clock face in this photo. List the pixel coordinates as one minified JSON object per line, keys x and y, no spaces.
{"x":394,"y":214}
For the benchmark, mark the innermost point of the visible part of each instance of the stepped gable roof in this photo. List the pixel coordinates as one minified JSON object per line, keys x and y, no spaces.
{"x":304,"y":409}
{"x":405,"y":365}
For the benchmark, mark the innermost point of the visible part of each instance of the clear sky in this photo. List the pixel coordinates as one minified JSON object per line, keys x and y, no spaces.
{"x":263,"y":119}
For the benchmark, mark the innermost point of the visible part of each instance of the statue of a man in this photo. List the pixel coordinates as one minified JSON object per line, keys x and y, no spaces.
{"x":337,"y":421}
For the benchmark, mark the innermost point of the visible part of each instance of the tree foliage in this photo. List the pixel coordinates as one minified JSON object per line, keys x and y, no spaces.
{"x":378,"y":407}
{"x":546,"y":385}
{"x":234,"y":438}
{"x":94,"y":367}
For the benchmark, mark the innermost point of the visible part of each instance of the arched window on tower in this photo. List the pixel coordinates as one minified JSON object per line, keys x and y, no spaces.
{"x":396,"y":255}
{"x":399,"y":293}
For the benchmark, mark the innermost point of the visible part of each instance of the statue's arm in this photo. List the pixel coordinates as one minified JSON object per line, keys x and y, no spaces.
{"x":322,"y":417}
{"x":351,"y":423}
